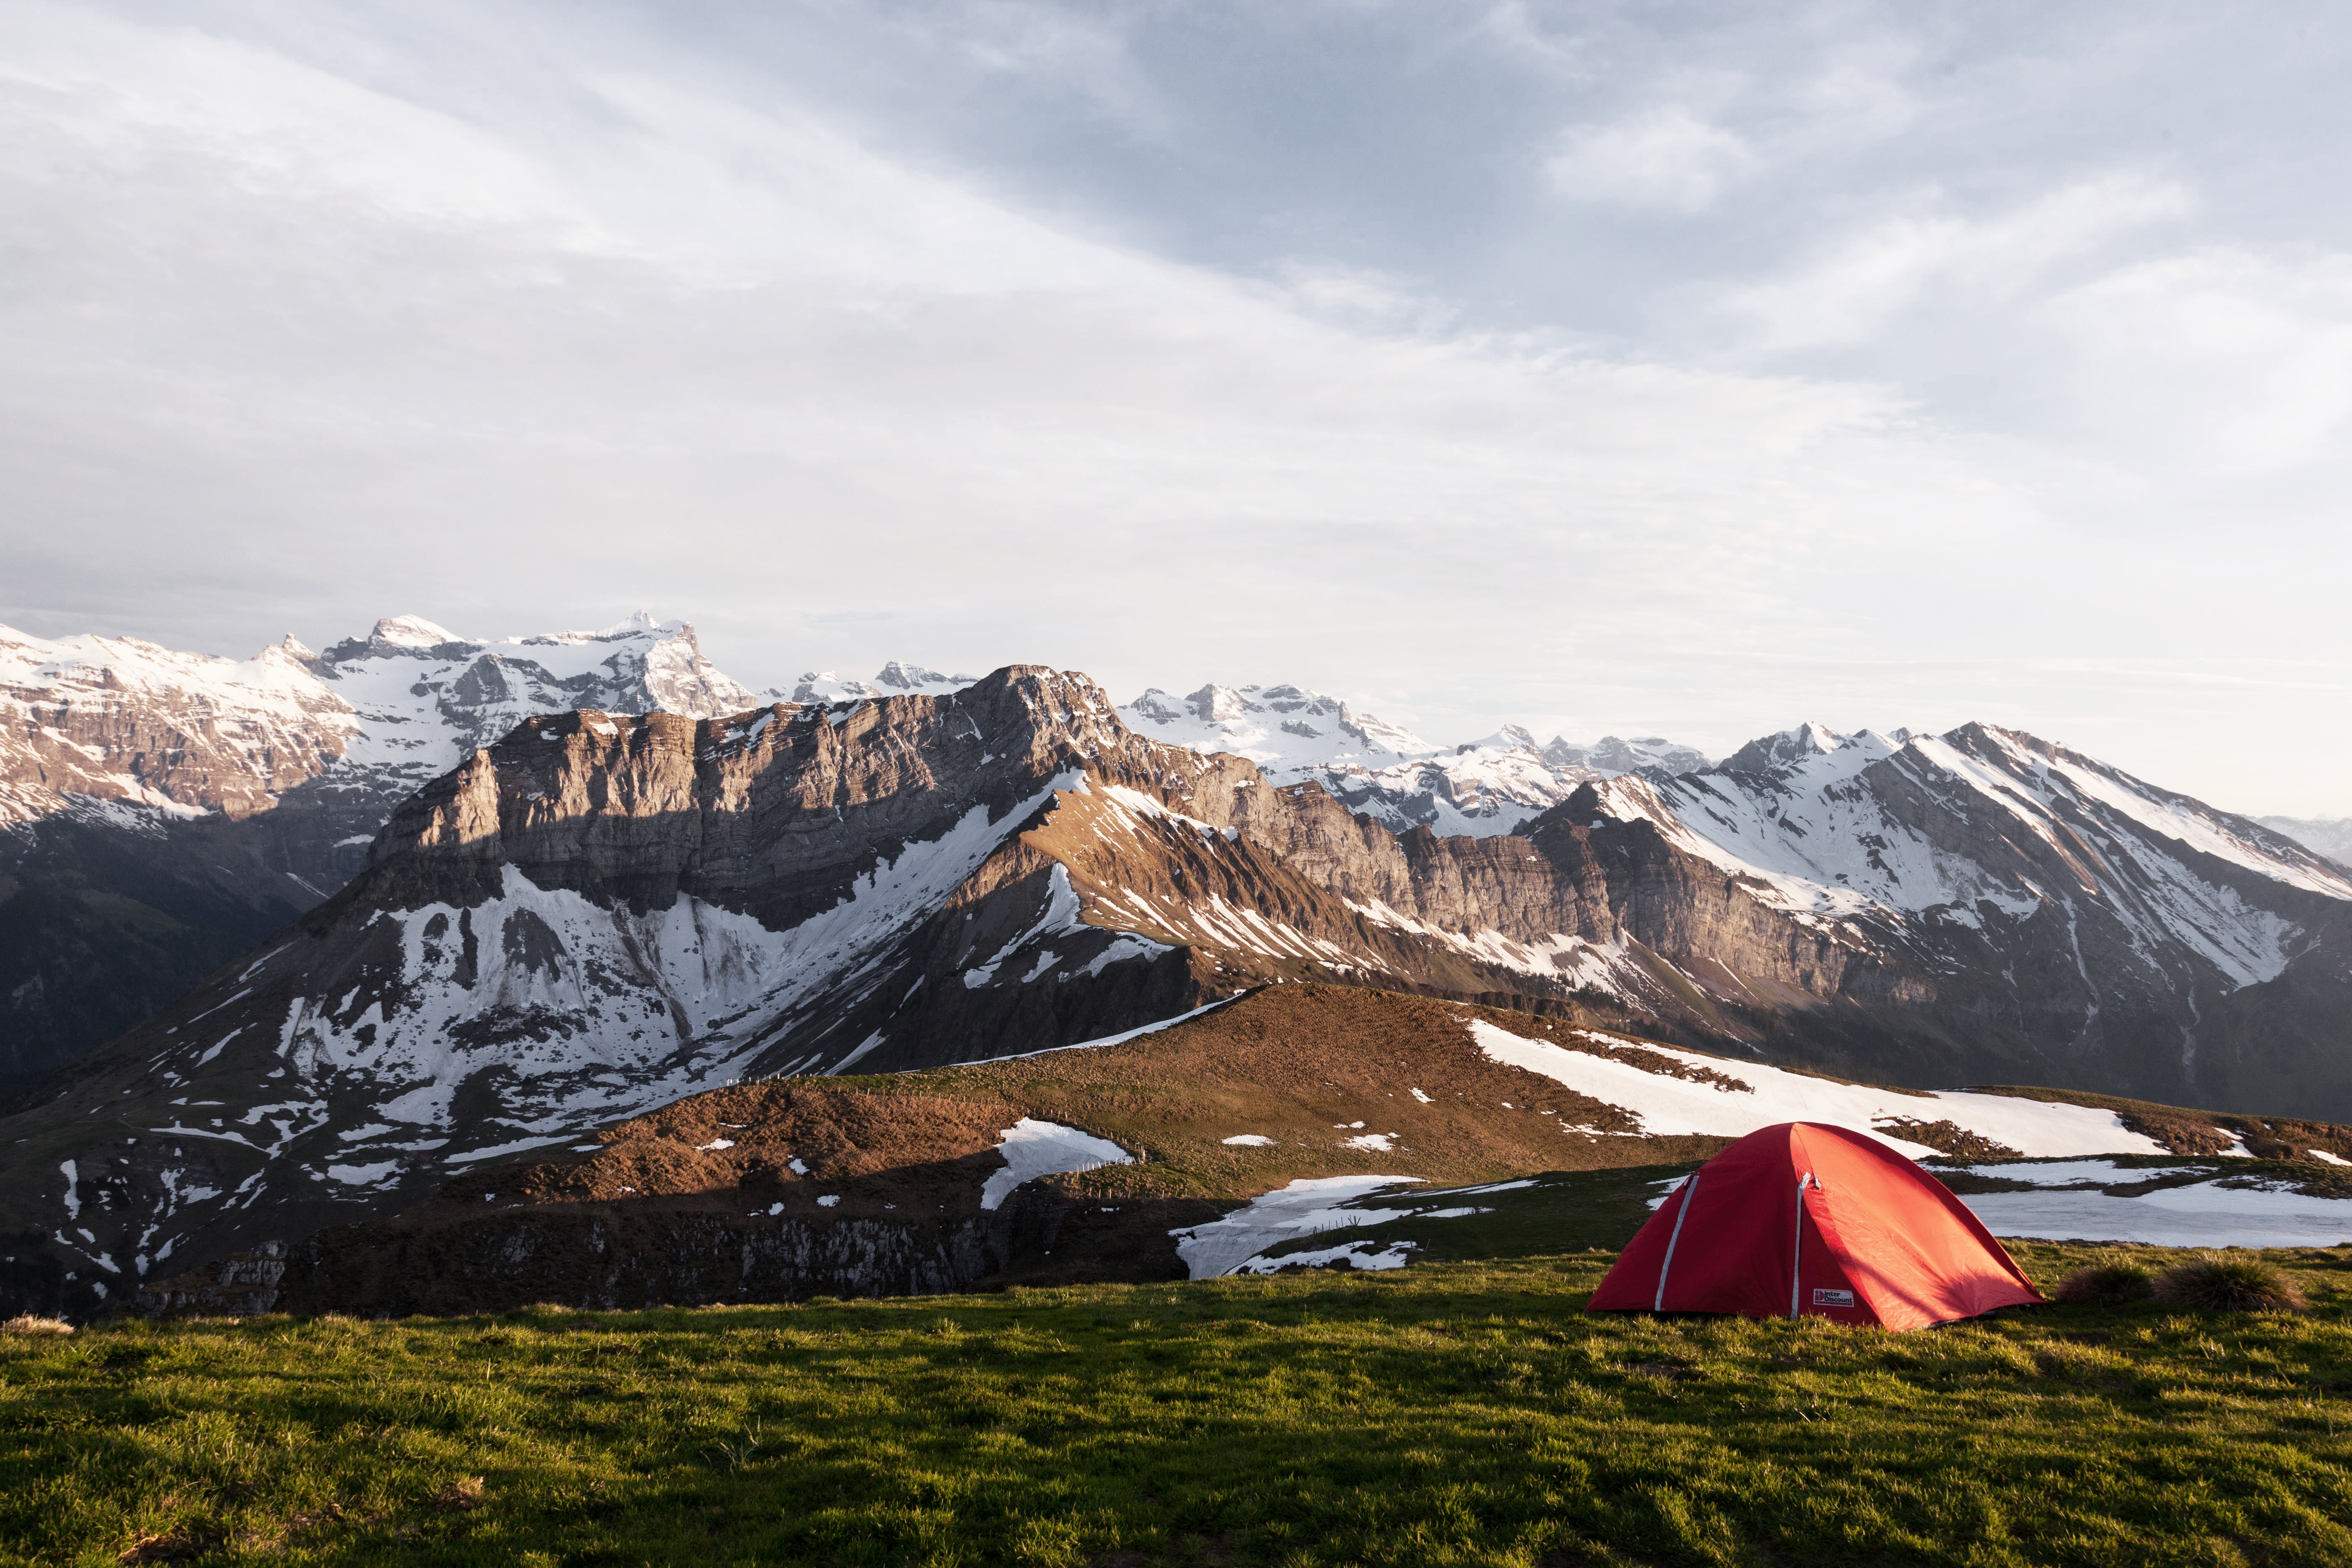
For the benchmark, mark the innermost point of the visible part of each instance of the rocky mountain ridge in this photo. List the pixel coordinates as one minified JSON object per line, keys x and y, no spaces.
{"x":162,"y":810}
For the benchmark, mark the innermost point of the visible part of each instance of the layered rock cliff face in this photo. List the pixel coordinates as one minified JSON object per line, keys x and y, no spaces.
{"x":161,"y":812}
{"x":602,"y":913}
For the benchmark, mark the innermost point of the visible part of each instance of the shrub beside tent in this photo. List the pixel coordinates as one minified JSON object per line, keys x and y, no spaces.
{"x":1807,"y":1220}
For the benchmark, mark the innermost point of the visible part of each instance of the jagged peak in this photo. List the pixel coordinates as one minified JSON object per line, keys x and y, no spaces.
{"x":1782,"y":749}
{"x":412,"y":631}
{"x":1510,"y":738}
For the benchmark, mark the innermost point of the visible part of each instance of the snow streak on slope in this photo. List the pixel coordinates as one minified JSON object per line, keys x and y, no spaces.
{"x":1734,"y":1098}
{"x":1582,"y":963}
{"x":585,"y":1012}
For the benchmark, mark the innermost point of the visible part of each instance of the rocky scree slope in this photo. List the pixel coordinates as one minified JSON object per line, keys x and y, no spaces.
{"x":161,"y":812}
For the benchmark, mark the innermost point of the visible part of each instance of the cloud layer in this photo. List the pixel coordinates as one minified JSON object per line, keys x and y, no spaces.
{"x":1480,"y":363}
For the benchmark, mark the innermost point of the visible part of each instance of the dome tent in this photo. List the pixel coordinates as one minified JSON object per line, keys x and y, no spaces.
{"x":1802,"y":1219}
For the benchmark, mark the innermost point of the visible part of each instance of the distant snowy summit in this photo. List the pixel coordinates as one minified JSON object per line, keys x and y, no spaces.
{"x":896,"y":678}
{"x":2332,"y":837}
{"x":1481,"y":787}
{"x":106,"y":723}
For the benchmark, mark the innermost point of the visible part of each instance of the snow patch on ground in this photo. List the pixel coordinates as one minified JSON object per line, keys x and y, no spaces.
{"x":1123,"y":1036}
{"x":1359,"y":1254}
{"x":1032,"y":1148}
{"x":2206,"y":1213}
{"x":2078,"y":1173}
{"x":1306,"y":1207}
{"x":1667,"y":1105}
{"x":1250,"y":1140}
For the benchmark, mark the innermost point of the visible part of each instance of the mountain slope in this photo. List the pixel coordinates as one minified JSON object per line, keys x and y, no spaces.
{"x":161,"y":812}
{"x":1118,"y":1161}
{"x":2089,"y":926}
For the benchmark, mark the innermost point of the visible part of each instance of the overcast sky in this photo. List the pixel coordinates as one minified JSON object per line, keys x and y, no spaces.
{"x":1675,"y":369}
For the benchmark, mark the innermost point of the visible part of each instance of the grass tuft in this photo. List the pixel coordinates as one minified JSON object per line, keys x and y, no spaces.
{"x":2104,"y":1285}
{"x":2229,"y":1284}
{"x":29,"y":1325}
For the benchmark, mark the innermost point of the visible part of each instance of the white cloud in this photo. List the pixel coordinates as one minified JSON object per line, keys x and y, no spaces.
{"x":1853,"y":289}
{"x":1661,"y":157}
{"x":2224,"y":362}
{"x":521,"y":319}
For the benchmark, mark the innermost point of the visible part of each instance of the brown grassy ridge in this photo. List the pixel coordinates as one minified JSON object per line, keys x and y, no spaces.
{"x":1303,"y":1065}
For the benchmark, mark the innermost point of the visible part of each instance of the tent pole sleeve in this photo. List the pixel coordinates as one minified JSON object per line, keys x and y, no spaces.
{"x":1690,"y":1191}
{"x":1797,"y":1249}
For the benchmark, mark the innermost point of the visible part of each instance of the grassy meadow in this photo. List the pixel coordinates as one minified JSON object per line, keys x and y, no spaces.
{"x":1449,"y":1413}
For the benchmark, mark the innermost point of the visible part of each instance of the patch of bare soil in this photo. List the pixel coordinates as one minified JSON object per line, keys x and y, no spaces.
{"x":1944,"y":1138}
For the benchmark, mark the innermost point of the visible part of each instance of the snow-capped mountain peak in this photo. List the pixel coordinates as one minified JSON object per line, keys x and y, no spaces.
{"x":411,"y":631}
{"x":1510,"y":738}
{"x":1481,"y":787}
{"x":1280,"y":728}
{"x":116,"y":718}
{"x":896,"y":678}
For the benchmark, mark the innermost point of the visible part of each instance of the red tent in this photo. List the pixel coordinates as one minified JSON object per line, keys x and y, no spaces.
{"x":1803,"y":1219}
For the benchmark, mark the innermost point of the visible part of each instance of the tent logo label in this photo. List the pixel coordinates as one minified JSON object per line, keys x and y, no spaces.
{"x":1833,"y":1298}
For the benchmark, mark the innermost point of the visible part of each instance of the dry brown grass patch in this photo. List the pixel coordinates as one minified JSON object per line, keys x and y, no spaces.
{"x":2229,"y":1284}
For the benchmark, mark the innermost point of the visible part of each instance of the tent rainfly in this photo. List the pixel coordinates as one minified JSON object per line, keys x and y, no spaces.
{"x":1805,"y":1220}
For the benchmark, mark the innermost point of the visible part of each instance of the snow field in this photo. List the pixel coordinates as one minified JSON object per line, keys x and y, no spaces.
{"x":2203,"y":1214}
{"x":1032,"y":1148}
{"x":1306,"y":1207}
{"x":1668,"y":1106}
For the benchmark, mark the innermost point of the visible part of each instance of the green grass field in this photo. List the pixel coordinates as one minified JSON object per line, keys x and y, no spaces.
{"x":1455,"y":1413}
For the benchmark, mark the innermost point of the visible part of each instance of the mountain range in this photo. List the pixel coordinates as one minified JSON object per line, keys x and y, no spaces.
{"x":163,"y":811}
{"x":497,"y":896}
